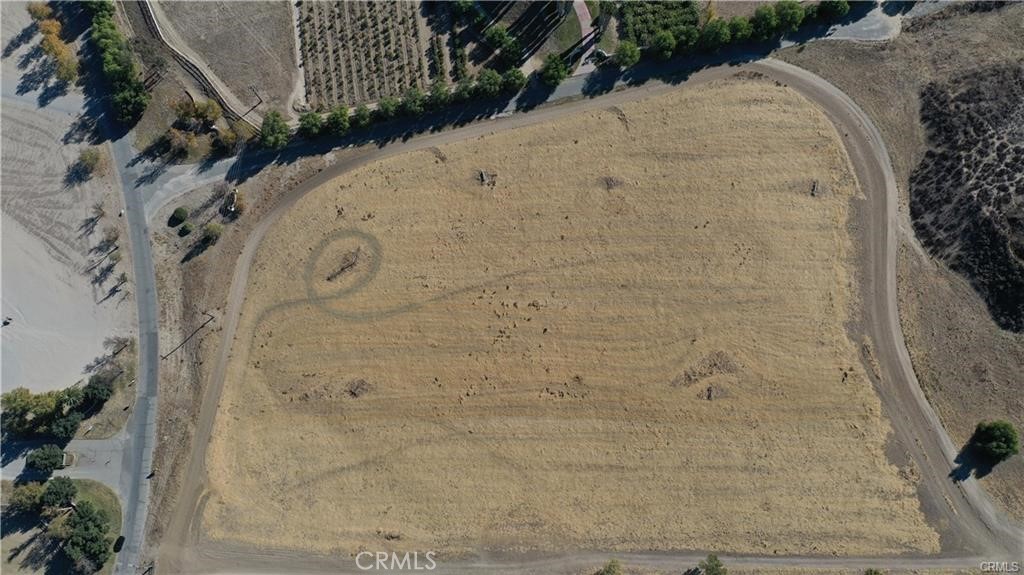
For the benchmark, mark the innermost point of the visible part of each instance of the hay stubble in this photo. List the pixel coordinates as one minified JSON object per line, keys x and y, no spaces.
{"x":632,"y":338}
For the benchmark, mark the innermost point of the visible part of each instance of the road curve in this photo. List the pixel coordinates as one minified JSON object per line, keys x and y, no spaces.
{"x":978,"y":530}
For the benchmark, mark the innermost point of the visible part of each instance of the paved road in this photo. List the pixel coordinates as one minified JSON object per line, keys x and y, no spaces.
{"x":978,"y":530}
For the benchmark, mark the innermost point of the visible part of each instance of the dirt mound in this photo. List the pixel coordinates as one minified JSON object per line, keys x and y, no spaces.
{"x":965,"y":195}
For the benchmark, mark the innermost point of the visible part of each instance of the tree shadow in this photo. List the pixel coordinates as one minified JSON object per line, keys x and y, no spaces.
{"x":29,"y":57}
{"x":971,"y":461}
{"x":36,"y":77}
{"x":40,"y":551}
{"x":83,"y":130}
{"x":20,"y":40}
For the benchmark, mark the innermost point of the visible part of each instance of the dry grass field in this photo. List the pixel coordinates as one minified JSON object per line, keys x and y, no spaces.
{"x":621,"y":330}
{"x":245,"y":43}
{"x":968,"y":365}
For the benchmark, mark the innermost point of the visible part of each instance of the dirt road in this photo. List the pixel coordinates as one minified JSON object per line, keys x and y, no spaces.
{"x":972,"y":527}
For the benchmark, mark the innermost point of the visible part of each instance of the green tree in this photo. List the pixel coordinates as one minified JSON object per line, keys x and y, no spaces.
{"x":765,"y":22}
{"x":626,"y":55}
{"x":463,"y":90}
{"x":45,"y":459}
{"x":997,"y":440}
{"x":362,"y":116}
{"x":610,"y":568}
{"x":66,"y":426}
{"x":387,"y":107}
{"x":498,"y":37}
{"x":872,"y":572}
{"x":310,"y":124}
{"x":25,"y":498}
{"x":59,"y":492}
{"x":712,"y":566}
{"x":513,"y":80}
{"x":414,"y":102}
{"x":833,"y":9}
{"x":274,"y":131}
{"x":715,"y":34}
{"x":440,"y":95}
{"x":338,"y":121}
{"x":740,"y":29}
{"x":488,"y":83}
{"x":88,"y":544}
{"x":791,"y":15}
{"x":98,"y":390}
{"x":70,"y":397}
{"x":663,"y":44}
{"x":554,"y":70}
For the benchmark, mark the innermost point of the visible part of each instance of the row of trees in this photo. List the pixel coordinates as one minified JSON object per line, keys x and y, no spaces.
{"x":52,"y":45}
{"x":81,"y":527}
{"x":56,"y":413}
{"x":129,"y":93}
{"x":489,"y":83}
{"x":769,"y":20}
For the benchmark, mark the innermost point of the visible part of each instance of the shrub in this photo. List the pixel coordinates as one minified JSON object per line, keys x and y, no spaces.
{"x":740,"y":29}
{"x":513,"y":80}
{"x":89,"y":158}
{"x":362,"y":116}
{"x":554,"y":70}
{"x":790,"y":15}
{"x":25,"y":498}
{"x":663,"y":45}
{"x":764,"y":23}
{"x":274,"y":131}
{"x":179,"y":215}
{"x":610,"y":568}
{"x":59,"y":492}
{"x":641,"y":21}
{"x":463,"y":90}
{"x":180,"y":142}
{"x":997,"y":440}
{"x":712,"y":566}
{"x":186,"y":229}
{"x":226,"y":140}
{"x":872,"y":572}
{"x":66,"y":426}
{"x":212,"y":232}
{"x":498,"y":37}
{"x":337,"y":120}
{"x":45,"y":459}
{"x":488,"y":83}
{"x":49,"y":27}
{"x":310,"y":124}
{"x":627,"y":54}
{"x":715,"y":34}
{"x":39,"y":10}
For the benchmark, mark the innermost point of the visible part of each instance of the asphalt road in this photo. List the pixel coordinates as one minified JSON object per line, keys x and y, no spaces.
{"x":975,"y":529}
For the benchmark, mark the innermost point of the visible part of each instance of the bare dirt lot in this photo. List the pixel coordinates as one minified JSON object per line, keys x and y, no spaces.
{"x":245,"y":43}
{"x":60,"y":279}
{"x":621,"y":330}
{"x":969,"y":366}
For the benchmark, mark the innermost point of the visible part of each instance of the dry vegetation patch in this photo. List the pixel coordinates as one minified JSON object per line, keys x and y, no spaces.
{"x":541,"y":360}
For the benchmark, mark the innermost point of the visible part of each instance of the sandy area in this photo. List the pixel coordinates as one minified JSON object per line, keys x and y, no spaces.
{"x":47,"y":288}
{"x":245,"y":43}
{"x":633,"y":339}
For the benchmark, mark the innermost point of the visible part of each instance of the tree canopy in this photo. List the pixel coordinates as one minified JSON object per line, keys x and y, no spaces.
{"x":997,"y":440}
{"x":626,"y":55}
{"x":274,"y":132}
{"x":59,"y":492}
{"x":45,"y":459}
{"x":554,"y":70}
